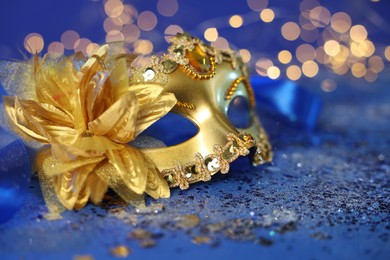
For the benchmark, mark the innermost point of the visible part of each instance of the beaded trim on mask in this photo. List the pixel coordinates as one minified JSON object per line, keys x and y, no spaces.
{"x":182,"y":47}
{"x":202,"y":168}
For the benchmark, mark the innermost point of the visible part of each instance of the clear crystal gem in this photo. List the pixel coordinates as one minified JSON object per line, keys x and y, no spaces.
{"x":213,"y":165}
{"x":149,"y":74}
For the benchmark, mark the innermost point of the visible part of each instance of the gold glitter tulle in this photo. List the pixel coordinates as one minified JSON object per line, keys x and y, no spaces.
{"x":87,"y":112}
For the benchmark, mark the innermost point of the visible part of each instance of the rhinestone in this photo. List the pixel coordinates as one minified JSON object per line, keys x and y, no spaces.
{"x":213,"y":165}
{"x":188,"y":175}
{"x":169,"y":178}
{"x":199,"y":60}
{"x":169,"y":65}
{"x":149,"y":74}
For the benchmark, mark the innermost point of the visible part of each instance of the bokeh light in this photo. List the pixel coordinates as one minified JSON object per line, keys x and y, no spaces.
{"x":341,"y":22}
{"x":143,"y":47}
{"x":236,"y":21}
{"x":294,"y":72}
{"x":257,"y":5}
{"x":387,"y":53}
{"x":328,"y":85}
{"x":310,"y":68}
{"x":358,"y":33}
{"x":34,"y":43}
{"x":171,"y":31}
{"x":290,"y":31}
{"x":113,"y":8}
{"x":305,"y":52}
{"x":56,"y":48}
{"x":273,"y":72}
{"x":245,"y":55}
{"x":262,"y":65}
{"x":211,"y":34}
{"x":220,"y":43}
{"x":320,"y":16}
{"x":147,"y":20}
{"x":68,"y":38}
{"x":131,"y":32}
{"x":167,"y":7}
{"x":284,"y":56}
{"x":267,"y":15}
{"x":332,"y":47}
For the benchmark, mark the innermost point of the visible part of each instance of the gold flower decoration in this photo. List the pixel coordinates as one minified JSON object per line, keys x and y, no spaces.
{"x":87,"y":112}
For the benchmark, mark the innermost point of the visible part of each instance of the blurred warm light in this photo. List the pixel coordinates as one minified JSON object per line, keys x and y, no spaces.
{"x":33,"y":43}
{"x":56,"y":48}
{"x":131,"y":32}
{"x":220,"y":43}
{"x":304,"y":21}
{"x":81,"y":45}
{"x":309,"y":35}
{"x":320,"y":16}
{"x":362,"y":49}
{"x":257,"y":5}
{"x":310,"y":68}
{"x":358,"y":33}
{"x":262,"y":65}
{"x":293,"y":72}
{"x":112,"y":24}
{"x":371,"y":75}
{"x":267,"y":15}
{"x":146,"y":21}
{"x":340,"y":68}
{"x":376,"y":64}
{"x":131,"y":14}
{"x":387,"y":53}
{"x":143,"y":47}
{"x":236,"y":21}
{"x":68,"y":38}
{"x":284,"y":56}
{"x":273,"y":72}
{"x":245,"y":55}
{"x":343,"y":54}
{"x":332,"y":47}
{"x":328,"y":85}
{"x":115,"y":36}
{"x":305,"y":52}
{"x":91,"y":48}
{"x":321,"y":56}
{"x":211,"y":34}
{"x":290,"y":31}
{"x":171,"y":31}
{"x":358,"y":70}
{"x":341,"y":22}
{"x":113,"y":8}
{"x":308,"y":5}
{"x":167,"y":7}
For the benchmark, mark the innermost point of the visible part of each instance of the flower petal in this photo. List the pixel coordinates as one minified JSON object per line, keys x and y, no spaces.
{"x":118,"y":121}
{"x":154,"y":111}
{"x":52,"y":166}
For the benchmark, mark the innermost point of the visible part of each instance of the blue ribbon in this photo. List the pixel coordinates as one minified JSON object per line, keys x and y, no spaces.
{"x":287,"y":101}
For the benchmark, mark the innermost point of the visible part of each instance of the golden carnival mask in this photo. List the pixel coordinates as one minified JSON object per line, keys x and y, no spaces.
{"x":90,"y":110}
{"x":207,"y":83}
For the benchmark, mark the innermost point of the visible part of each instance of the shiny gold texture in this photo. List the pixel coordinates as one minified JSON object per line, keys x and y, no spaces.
{"x":87,"y":111}
{"x":218,"y":142}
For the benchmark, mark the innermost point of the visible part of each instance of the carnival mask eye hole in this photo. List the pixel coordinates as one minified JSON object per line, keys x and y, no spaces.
{"x":239,"y":112}
{"x":172,"y":129}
